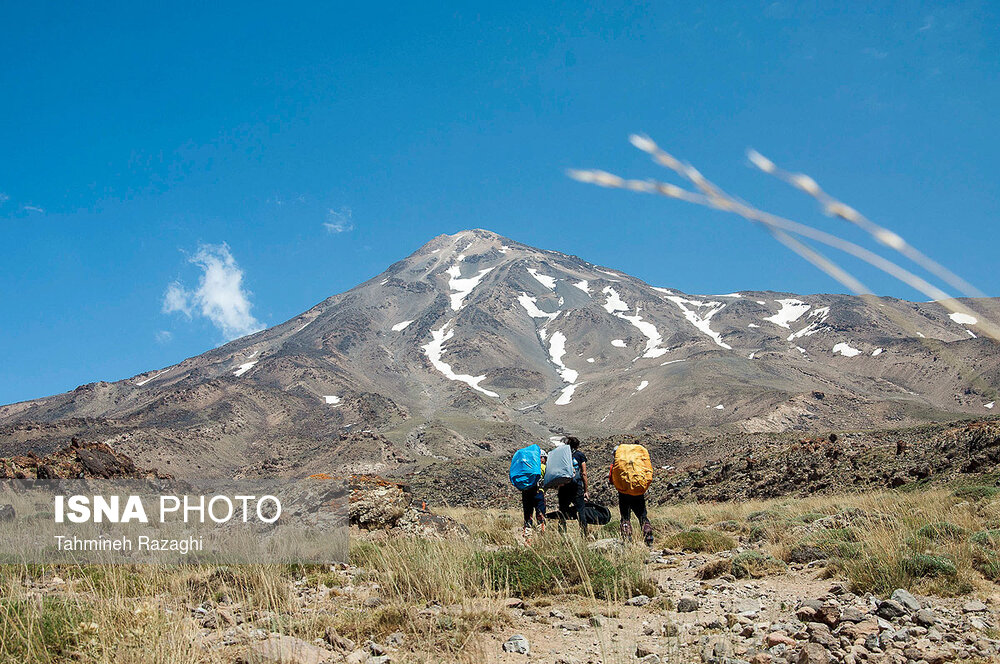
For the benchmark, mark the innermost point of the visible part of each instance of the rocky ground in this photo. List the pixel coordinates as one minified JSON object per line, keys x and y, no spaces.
{"x":800,"y":617}
{"x":75,"y":461}
{"x":741,"y":467}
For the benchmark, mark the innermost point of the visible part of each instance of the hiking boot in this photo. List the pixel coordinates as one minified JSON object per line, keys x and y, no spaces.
{"x":647,"y":533}
{"x":527,"y":535}
{"x":626,"y":531}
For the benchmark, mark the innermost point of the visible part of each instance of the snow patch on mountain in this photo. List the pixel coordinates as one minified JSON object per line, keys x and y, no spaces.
{"x":615,"y":306}
{"x":557,"y":348}
{"x":333,"y":400}
{"x":643,"y":385}
{"x":566,"y":396}
{"x":399,"y":327}
{"x":462,"y":287}
{"x":614,"y":303}
{"x":245,"y":367}
{"x":989,"y":405}
{"x":845,"y":349}
{"x":820,"y":314}
{"x":530,"y":305}
{"x":545,"y":280}
{"x":583,"y":285}
{"x":877,"y":352}
{"x":435,"y":349}
{"x":963,"y":319}
{"x":791,"y":310}
{"x":666,"y":291}
{"x":701,"y":315}
{"x":653,"y":338}
{"x":140,"y":383}
{"x":618,"y":343}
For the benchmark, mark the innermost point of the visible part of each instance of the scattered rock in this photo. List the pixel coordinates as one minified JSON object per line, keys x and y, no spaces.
{"x":610,"y":545}
{"x":642,"y":651}
{"x":813,"y":653}
{"x":715,"y":650}
{"x":973,"y":606}
{"x":638,"y":600}
{"x":284,"y":650}
{"x":341,"y":643}
{"x":7,"y":513}
{"x":907,"y":600}
{"x":687,"y":604}
{"x":890,"y":609}
{"x":517,"y":643}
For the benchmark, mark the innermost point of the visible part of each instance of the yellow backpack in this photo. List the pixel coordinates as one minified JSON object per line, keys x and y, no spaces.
{"x":633,"y":472}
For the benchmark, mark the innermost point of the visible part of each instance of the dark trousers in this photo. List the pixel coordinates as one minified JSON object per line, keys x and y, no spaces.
{"x":629,"y":505}
{"x":533,"y":503}
{"x":571,"y":494}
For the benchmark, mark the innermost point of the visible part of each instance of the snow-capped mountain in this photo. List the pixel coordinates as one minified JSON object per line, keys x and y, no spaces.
{"x":476,"y":343}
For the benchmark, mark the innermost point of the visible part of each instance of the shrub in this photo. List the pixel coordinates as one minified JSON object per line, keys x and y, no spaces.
{"x":988,"y":539}
{"x":754,"y":564}
{"x":942,"y":530}
{"x":713,"y":569}
{"x":561,"y":569}
{"x":51,"y":628}
{"x":809,"y":517}
{"x":729,"y":526}
{"x":977,"y":492}
{"x":700,"y":541}
{"x":923,"y":565}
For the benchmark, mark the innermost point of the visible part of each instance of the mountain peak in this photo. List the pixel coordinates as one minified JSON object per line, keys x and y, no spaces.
{"x":471,"y":241}
{"x":476,"y":337}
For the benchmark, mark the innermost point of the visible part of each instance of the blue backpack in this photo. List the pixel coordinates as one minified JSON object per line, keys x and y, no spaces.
{"x":526,"y":467}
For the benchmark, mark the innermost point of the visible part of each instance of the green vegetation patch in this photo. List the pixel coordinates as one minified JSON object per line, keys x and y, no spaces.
{"x":700,"y":541}
{"x":977,"y":492}
{"x":941,"y":531}
{"x":754,"y":565}
{"x":46,"y":629}
{"x":924,"y":565}
{"x":563,"y":569}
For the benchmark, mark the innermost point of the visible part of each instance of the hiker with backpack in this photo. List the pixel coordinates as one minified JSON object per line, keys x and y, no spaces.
{"x":527,"y":468}
{"x":631,"y":474}
{"x":574,"y":492}
{"x":533,"y":502}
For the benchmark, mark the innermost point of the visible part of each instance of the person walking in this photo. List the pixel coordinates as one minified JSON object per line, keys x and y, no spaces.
{"x":576,"y":492}
{"x":631,"y":473}
{"x":533,"y":503}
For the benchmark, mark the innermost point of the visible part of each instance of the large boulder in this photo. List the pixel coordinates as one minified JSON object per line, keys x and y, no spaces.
{"x":378,"y":505}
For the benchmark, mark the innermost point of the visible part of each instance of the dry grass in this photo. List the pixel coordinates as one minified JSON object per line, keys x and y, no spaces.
{"x":443,"y":594}
{"x":933,"y":541}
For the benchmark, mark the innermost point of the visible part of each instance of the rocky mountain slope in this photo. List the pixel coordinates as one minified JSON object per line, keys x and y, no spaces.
{"x":476,"y":343}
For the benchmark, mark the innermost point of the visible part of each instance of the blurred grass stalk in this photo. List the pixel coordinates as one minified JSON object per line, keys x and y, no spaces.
{"x":792,"y":234}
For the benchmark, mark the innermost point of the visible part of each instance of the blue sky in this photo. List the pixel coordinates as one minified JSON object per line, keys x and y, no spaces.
{"x":290,"y":152}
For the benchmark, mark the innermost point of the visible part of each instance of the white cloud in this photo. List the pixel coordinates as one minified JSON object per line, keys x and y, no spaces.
{"x":164,"y":337}
{"x":339,"y":221}
{"x":220,"y":296}
{"x":3,"y":198}
{"x":177,"y":299}
{"x":33,"y":208}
